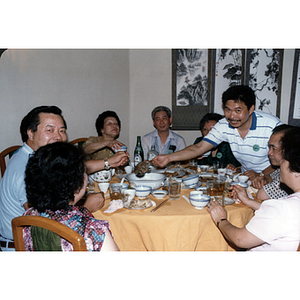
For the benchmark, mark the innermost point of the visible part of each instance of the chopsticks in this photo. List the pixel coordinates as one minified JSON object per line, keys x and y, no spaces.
{"x":158,"y":206}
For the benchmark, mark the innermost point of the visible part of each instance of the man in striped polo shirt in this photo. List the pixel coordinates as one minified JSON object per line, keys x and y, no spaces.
{"x":246,"y":130}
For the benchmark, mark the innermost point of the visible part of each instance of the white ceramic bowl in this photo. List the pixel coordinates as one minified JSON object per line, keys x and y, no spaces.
{"x":124,"y":186}
{"x":154,"y":180}
{"x":142,"y":191}
{"x":159,"y":194}
{"x":191,"y":180}
{"x":243,"y":178}
{"x":202,"y":189}
{"x":199,"y":200}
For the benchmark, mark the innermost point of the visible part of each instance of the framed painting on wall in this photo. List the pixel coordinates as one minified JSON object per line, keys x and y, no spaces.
{"x":191,"y":87}
{"x":264,"y":71}
{"x":228,"y":71}
{"x":294,"y":113}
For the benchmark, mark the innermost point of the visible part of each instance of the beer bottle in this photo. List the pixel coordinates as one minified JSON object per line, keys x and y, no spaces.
{"x":138,"y":152}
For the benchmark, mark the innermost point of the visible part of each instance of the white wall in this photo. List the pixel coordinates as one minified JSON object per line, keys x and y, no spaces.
{"x":83,"y":83}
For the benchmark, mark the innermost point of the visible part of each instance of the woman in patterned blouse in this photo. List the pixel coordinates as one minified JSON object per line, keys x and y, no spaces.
{"x":55,"y":181}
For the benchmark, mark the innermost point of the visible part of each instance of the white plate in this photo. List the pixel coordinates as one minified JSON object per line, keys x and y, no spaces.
{"x":152,"y":203}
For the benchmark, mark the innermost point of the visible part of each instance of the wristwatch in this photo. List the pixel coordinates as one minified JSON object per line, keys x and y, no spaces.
{"x":106,"y":164}
{"x":218,"y":223}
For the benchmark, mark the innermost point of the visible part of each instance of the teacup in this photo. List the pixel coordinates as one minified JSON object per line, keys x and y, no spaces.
{"x":102,"y":176}
{"x":128,"y":169}
{"x":222,"y":171}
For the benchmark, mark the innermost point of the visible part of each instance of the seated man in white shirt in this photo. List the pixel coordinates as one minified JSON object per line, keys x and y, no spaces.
{"x":165,"y":140}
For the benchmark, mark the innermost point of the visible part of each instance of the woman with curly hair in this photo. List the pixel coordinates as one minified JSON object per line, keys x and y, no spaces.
{"x":55,"y":181}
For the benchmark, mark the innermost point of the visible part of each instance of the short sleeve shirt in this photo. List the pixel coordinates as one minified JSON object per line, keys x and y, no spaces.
{"x":252,"y":151}
{"x":12,"y":190}
{"x":277,"y":223}
{"x":153,"y":138}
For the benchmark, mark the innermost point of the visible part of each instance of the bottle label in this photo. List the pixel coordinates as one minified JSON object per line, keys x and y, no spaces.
{"x":137,"y":159}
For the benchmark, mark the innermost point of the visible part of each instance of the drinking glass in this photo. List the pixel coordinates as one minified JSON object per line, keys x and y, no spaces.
{"x":115,"y":192}
{"x":174,"y":189}
{"x":193,"y":164}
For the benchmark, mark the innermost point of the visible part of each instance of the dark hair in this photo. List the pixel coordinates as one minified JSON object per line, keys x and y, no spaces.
{"x":100,"y":120}
{"x":32,"y":119}
{"x":209,"y":117}
{"x":282,"y":128}
{"x":239,"y":93}
{"x":161,"y":108}
{"x":291,"y":148}
{"x":53,"y":174}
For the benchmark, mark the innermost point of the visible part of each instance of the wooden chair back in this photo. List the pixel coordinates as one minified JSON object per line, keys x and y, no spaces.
{"x":8,"y":151}
{"x":62,"y":230}
{"x":78,"y":141}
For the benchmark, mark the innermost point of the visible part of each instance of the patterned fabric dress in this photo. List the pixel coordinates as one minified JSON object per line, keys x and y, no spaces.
{"x":77,"y":218}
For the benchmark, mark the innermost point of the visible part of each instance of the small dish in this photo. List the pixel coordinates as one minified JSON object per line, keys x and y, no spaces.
{"x":142,"y":191}
{"x":159,"y":194}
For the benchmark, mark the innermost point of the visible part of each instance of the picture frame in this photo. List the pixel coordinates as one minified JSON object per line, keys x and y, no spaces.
{"x":294,"y":111}
{"x":228,"y":71}
{"x":264,"y":76}
{"x":191,"y":87}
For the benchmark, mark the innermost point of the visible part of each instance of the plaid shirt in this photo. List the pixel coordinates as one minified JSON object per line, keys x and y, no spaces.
{"x":77,"y":218}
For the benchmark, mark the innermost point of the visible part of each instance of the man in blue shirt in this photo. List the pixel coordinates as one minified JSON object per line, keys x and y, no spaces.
{"x":41,"y":126}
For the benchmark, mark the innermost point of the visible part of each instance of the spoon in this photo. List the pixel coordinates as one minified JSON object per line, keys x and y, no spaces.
{"x":236,"y":176}
{"x":122,"y":181}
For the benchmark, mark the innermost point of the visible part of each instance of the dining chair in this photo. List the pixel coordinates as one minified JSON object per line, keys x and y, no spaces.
{"x":7,"y":152}
{"x":78,"y":141}
{"x":53,"y":226}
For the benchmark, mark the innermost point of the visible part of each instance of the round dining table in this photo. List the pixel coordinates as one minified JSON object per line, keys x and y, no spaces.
{"x":175,"y":226}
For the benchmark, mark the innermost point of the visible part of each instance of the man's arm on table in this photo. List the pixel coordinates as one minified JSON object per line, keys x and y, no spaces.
{"x":187,"y":153}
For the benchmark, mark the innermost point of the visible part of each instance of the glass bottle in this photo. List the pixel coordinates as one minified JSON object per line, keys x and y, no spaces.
{"x":138,"y":152}
{"x":150,"y":155}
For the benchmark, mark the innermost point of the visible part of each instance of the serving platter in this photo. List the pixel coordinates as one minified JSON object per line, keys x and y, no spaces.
{"x":151,"y":203}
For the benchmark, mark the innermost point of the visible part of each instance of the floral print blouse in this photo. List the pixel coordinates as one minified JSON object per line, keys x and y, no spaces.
{"x":77,"y":218}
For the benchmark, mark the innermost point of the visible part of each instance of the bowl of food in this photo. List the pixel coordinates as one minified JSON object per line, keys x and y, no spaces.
{"x":154,"y":180}
{"x":191,"y":180}
{"x":198,"y":200}
{"x":142,"y":191}
{"x":159,"y":194}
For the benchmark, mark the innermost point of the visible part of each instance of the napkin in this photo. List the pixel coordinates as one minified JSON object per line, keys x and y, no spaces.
{"x":114,"y":205}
